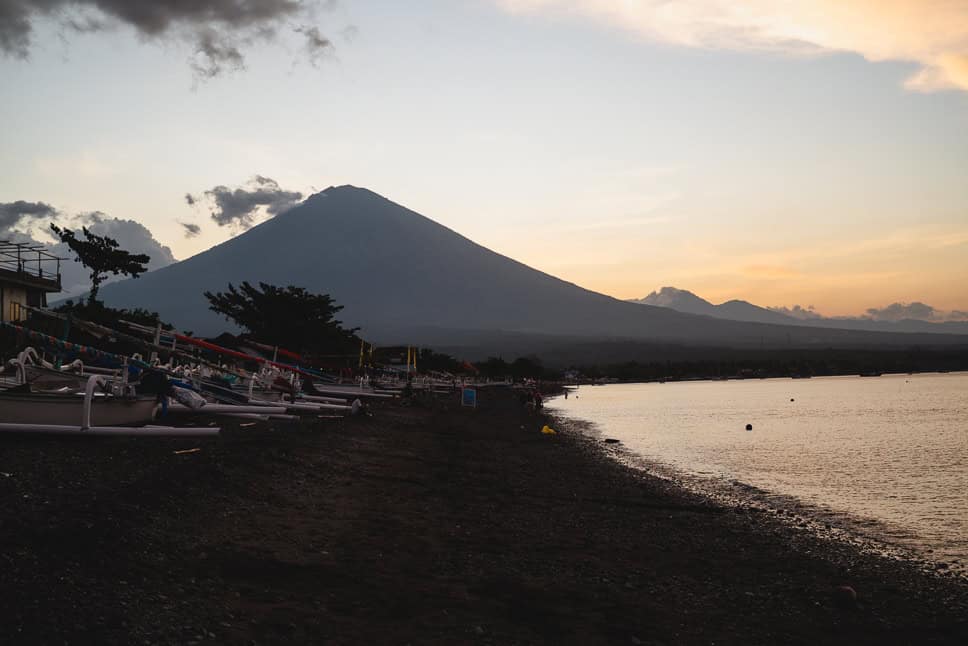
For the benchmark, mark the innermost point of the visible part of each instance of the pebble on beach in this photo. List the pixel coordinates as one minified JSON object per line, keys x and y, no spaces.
{"x":845,"y":597}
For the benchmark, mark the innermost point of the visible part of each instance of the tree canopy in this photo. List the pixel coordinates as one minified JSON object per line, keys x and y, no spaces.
{"x":520,"y":368}
{"x":98,"y":312}
{"x":102,"y":255}
{"x":290,"y":317}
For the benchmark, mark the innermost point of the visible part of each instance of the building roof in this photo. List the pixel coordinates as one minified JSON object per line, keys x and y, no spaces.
{"x":29,"y":265}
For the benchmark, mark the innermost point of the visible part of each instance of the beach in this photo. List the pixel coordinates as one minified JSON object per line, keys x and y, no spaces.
{"x":421,"y":524}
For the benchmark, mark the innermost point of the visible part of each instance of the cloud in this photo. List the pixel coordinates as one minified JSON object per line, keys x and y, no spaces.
{"x":191,"y":229}
{"x":21,"y":213}
{"x":930,"y":33}
{"x":75,"y":278}
{"x":316,"y":45}
{"x":797,"y":312}
{"x":91,"y":217}
{"x":917,"y":310}
{"x":349,"y":33}
{"x":218,"y":30}
{"x":239,"y":207}
{"x":901,"y":311}
{"x":214,"y":53}
{"x":132,"y":236}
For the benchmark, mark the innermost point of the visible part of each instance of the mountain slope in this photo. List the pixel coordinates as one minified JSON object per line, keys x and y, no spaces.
{"x":403,"y":277}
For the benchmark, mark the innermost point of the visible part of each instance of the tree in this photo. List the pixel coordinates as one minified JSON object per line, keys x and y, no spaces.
{"x":103,"y":256}
{"x":493,"y":367}
{"x":291,"y":317}
{"x":524,"y":367}
{"x":97,"y":312}
{"x":430,"y":360}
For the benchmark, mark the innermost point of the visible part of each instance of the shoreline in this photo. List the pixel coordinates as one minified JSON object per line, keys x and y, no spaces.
{"x":827,"y":524}
{"x":686,"y":380}
{"x":424,"y":524}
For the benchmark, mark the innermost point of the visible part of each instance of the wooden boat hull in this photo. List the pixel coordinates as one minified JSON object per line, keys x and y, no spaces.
{"x":47,"y":408}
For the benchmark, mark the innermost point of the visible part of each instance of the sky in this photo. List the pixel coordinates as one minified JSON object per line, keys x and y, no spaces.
{"x":814,"y":156}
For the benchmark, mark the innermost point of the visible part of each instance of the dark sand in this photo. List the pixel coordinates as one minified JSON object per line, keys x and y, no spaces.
{"x":418,"y":525}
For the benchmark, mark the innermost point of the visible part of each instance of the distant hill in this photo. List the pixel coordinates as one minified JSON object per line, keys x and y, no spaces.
{"x":404,"y":278}
{"x":683,"y":300}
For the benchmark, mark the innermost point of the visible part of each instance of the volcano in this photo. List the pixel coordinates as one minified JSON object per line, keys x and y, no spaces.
{"x":403,"y":278}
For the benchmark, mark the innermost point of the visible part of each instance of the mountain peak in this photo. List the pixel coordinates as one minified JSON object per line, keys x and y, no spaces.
{"x":678,"y":299}
{"x":345,"y":188}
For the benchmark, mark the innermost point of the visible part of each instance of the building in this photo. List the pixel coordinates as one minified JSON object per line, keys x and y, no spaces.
{"x":27,"y":274}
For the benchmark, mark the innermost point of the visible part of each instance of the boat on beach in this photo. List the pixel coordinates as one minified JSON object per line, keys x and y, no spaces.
{"x":67,"y":409}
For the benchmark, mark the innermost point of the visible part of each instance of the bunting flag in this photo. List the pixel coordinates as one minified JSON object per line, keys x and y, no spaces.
{"x":269,"y":348}
{"x":77,"y":348}
{"x":206,"y":345}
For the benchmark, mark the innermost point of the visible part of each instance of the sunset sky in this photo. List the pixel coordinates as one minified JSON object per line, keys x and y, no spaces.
{"x":816,"y":155}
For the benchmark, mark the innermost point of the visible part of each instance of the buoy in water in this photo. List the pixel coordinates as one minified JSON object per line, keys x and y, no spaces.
{"x":749,"y":427}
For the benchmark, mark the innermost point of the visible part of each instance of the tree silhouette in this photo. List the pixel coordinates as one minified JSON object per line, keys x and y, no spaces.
{"x":291,"y":317}
{"x":103,"y":256}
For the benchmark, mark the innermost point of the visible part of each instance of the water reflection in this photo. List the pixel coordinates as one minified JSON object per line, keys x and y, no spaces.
{"x":893,"y":449}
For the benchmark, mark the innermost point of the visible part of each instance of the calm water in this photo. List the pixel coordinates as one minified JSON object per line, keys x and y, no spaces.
{"x":891,"y":449}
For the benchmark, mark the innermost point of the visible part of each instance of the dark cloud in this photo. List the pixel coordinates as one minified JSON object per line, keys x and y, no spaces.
{"x":20,"y":213}
{"x":92,"y":217}
{"x":239,"y":207}
{"x":214,"y":54}
{"x":901,"y":311}
{"x":894,"y":312}
{"x":317,"y":46}
{"x":191,"y":229}
{"x":217,"y":29}
{"x":916,"y":310}
{"x":189,"y":199}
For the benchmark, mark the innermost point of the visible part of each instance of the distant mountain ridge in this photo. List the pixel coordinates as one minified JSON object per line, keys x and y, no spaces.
{"x":404,"y":278}
{"x":683,"y":300}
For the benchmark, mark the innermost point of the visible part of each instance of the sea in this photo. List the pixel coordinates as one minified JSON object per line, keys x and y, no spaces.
{"x":882,"y":458}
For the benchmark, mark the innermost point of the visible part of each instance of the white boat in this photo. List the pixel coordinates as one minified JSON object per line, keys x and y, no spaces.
{"x":68,"y":409}
{"x":350,"y":392}
{"x":42,"y":376}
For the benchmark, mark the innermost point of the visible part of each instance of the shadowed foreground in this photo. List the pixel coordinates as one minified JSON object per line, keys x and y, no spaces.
{"x":423,"y":525}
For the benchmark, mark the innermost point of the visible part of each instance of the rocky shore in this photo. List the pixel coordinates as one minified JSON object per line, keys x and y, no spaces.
{"x":420,"y":524}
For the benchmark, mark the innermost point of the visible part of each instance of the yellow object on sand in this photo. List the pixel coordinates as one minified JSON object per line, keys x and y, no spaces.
{"x":547,"y":430}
